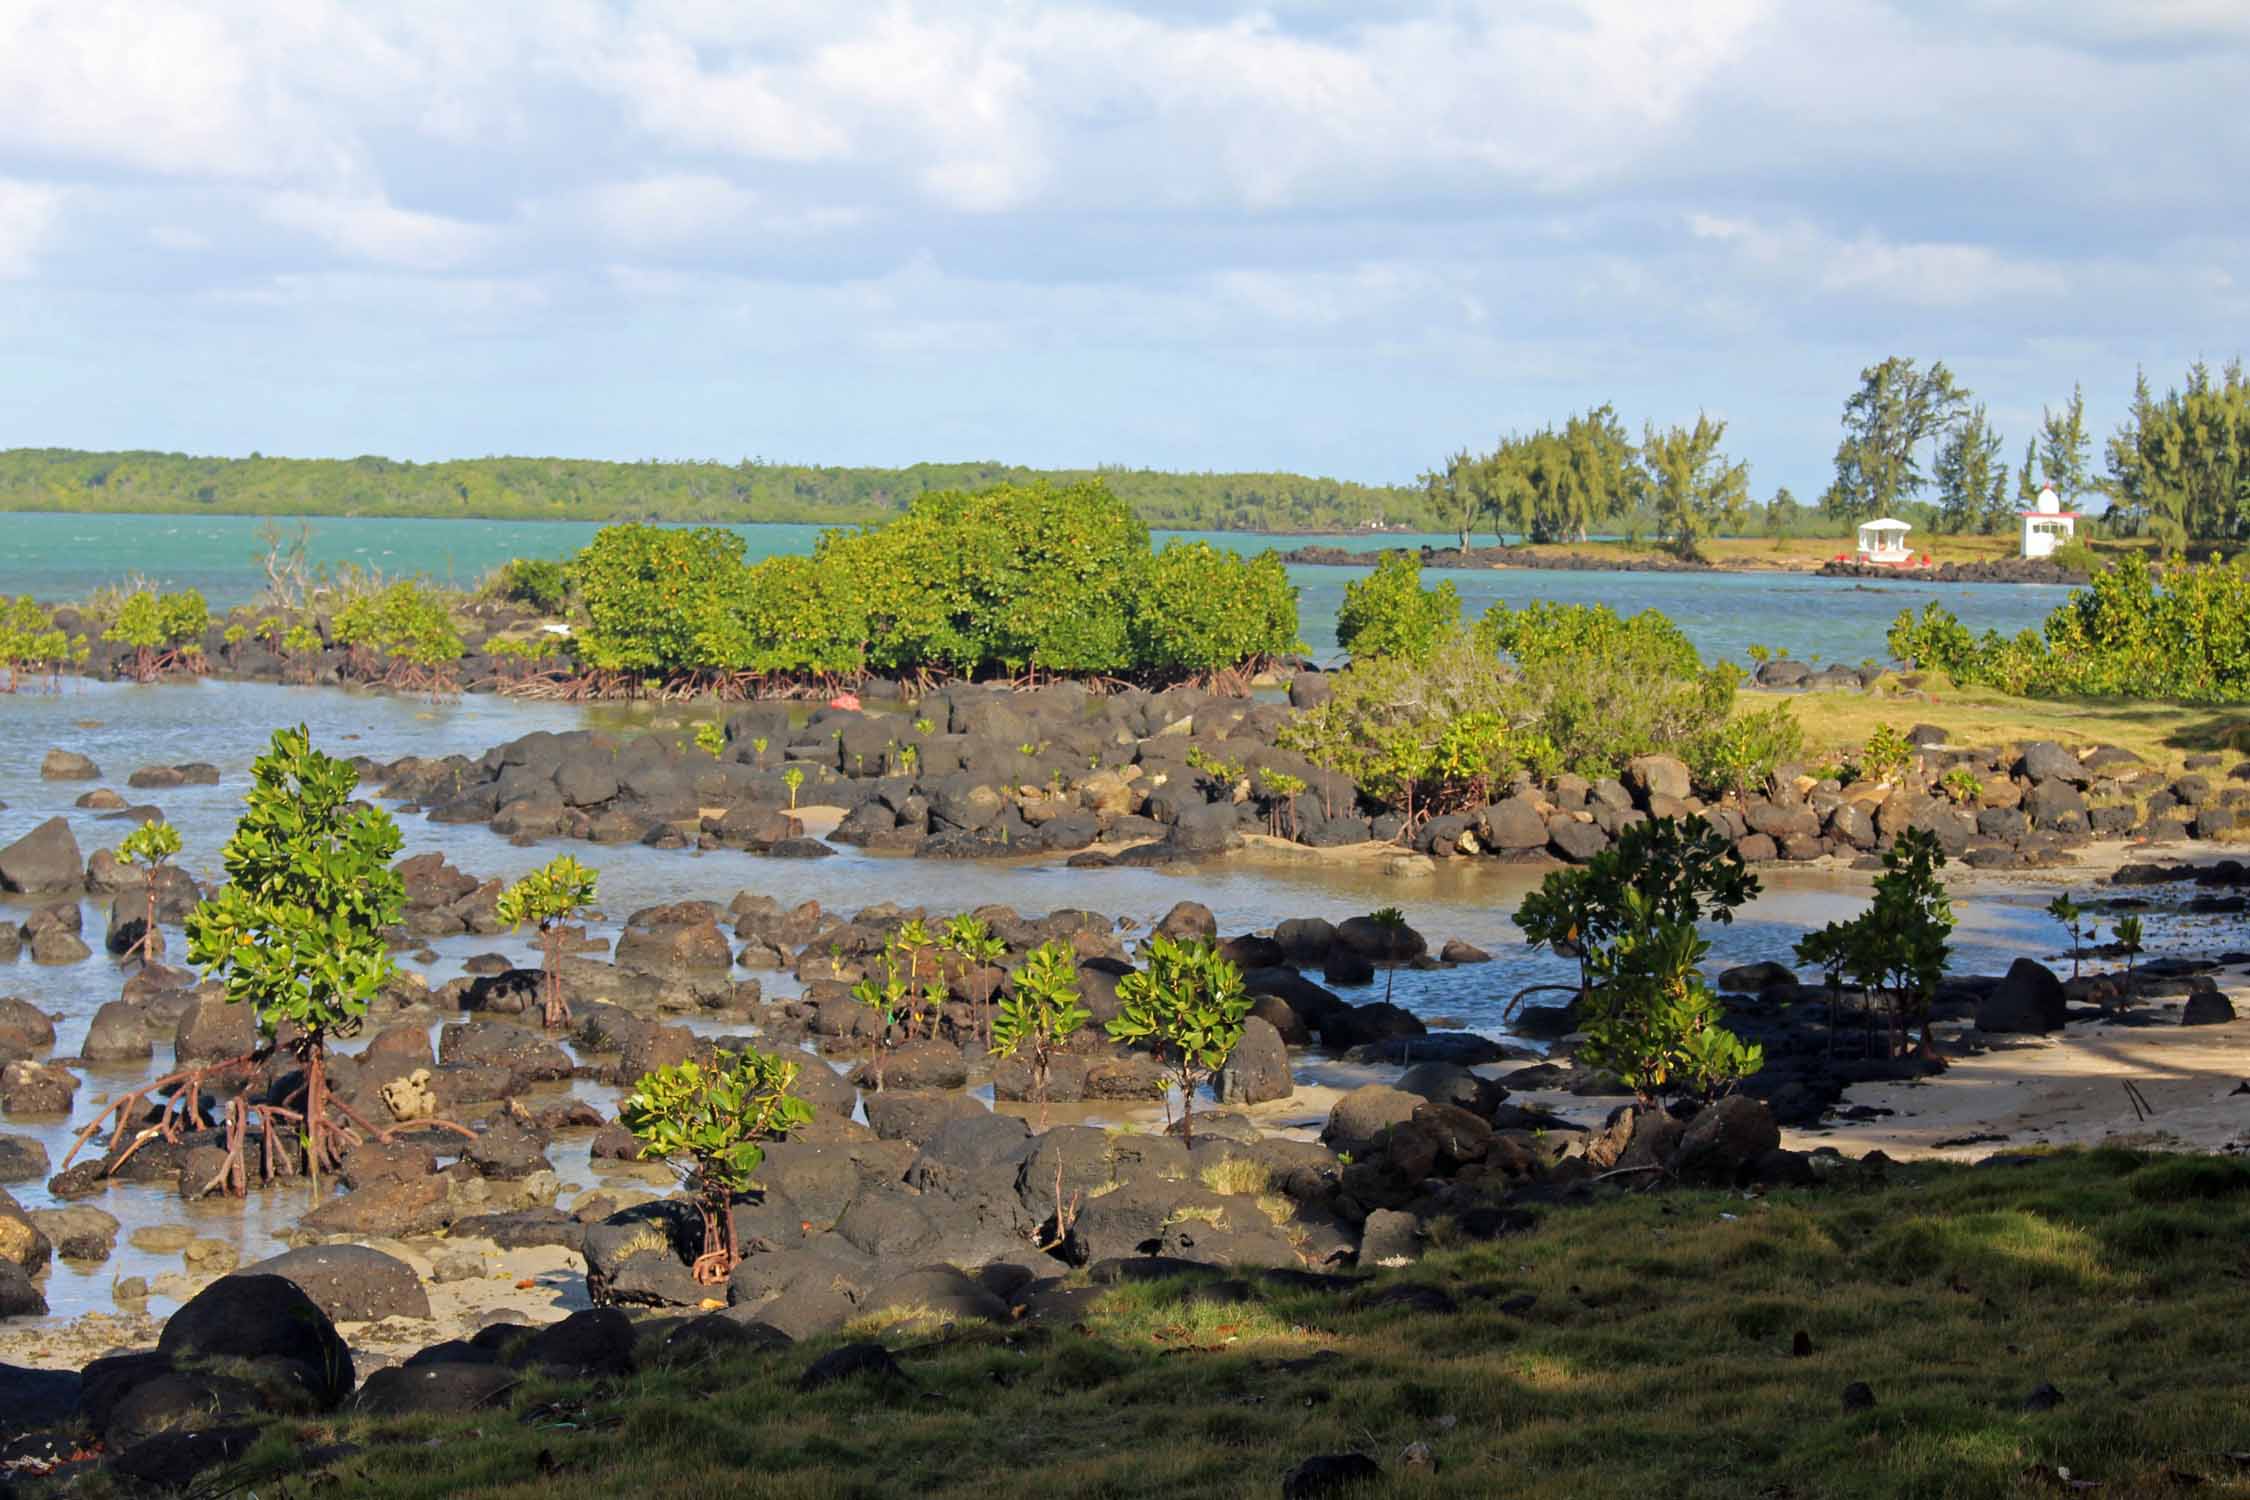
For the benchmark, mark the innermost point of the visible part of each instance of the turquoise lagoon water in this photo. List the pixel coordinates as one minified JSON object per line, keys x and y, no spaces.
{"x":65,"y":556}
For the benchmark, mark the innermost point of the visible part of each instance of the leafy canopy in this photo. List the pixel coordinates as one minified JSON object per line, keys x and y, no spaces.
{"x":1630,"y":915}
{"x":150,"y":844}
{"x":1043,"y":1009}
{"x":1188,"y":1004}
{"x":554,"y":892}
{"x":297,"y":930}
{"x":1389,"y":613}
{"x":718,"y":1113}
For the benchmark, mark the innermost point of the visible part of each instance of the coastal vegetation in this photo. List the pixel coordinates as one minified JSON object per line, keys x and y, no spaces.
{"x":547,"y":898}
{"x":1630,"y":915}
{"x":712,"y":1119}
{"x":2174,"y":631}
{"x":1447,"y":716}
{"x":561,"y":489}
{"x":296,"y":933}
{"x":1015,"y":581}
{"x":1915,"y":444}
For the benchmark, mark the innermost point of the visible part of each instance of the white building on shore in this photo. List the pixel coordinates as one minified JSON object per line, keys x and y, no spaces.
{"x":2047,"y":526}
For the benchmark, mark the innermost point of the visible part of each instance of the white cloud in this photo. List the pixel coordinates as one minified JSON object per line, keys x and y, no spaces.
{"x":29,"y":214}
{"x":369,"y":227}
{"x":1922,"y":274}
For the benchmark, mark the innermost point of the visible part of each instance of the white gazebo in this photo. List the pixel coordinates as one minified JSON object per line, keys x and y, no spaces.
{"x":2047,"y":525}
{"x":1884,"y":541}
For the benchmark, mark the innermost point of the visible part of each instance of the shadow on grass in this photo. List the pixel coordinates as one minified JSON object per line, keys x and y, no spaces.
{"x":1640,"y":1345}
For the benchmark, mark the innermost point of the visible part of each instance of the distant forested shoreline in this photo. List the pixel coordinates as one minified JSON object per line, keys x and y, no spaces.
{"x":558,"y":489}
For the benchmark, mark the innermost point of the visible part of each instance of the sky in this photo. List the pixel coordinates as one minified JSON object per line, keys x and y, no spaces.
{"x":1334,"y":236}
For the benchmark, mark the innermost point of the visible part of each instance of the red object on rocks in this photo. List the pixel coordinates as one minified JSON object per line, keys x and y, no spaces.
{"x":845,"y":700}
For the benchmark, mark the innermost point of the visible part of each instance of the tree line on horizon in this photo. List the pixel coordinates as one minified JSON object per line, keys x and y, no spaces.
{"x":2177,"y":469}
{"x":556,"y":489}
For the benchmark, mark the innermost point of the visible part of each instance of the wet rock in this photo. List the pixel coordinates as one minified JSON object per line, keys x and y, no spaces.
{"x":67,"y":765}
{"x":23,"y":1158}
{"x":212,"y":1028}
{"x":56,"y":945}
{"x":79,"y":1233}
{"x":390,"y":1209}
{"x":506,"y":1151}
{"x":43,"y":861}
{"x":117,"y":1033}
{"x":30,"y":1088}
{"x":24,"y":1030}
{"x":350,"y":1283}
{"x":1380,"y":941}
{"x":1188,"y":922}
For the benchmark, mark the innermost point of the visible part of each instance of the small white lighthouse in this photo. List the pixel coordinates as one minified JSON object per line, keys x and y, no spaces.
{"x":2047,"y":525}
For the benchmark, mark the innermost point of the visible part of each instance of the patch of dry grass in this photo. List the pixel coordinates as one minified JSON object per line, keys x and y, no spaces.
{"x":2163,"y":734}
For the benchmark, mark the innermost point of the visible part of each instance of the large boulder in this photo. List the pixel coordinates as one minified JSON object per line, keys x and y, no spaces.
{"x":444,"y":1386}
{"x":2028,"y":999}
{"x":1726,"y":1137}
{"x":1188,"y":922}
{"x":268,"y":1327}
{"x":1257,"y":1070}
{"x":350,"y":1283}
{"x":213,"y":1028}
{"x":43,"y":861}
{"x":1381,"y":941}
{"x":24,"y":1030}
{"x":1364,"y":1116}
{"x":1655,"y":776}
{"x":2044,"y":760}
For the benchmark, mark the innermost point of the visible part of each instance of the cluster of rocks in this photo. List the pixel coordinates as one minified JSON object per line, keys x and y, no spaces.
{"x":969,"y":771}
{"x":940,"y":1206}
{"x":1993,"y":570}
{"x":1500,"y":557}
{"x":46,"y":863}
{"x":1788,"y":675}
{"x":2031,"y":805}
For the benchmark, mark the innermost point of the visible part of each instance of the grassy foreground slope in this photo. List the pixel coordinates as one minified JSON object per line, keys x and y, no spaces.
{"x":558,"y":489}
{"x":1638,"y":1347}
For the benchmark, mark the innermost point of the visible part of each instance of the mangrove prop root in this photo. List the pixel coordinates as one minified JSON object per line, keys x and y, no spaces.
{"x":1529,"y":990}
{"x":187,"y":1085}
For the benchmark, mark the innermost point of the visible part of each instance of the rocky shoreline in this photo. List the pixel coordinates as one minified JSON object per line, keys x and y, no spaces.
{"x":439,"y":1250}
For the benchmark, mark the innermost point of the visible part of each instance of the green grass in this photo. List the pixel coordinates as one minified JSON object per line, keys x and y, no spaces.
{"x":1656,"y":1361}
{"x":2163,"y":734}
